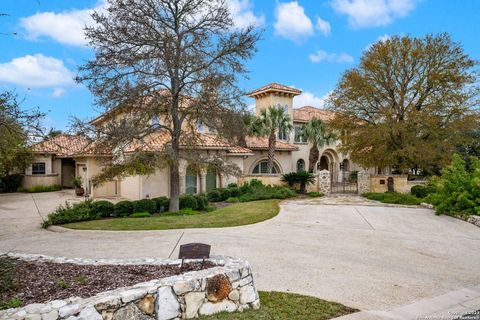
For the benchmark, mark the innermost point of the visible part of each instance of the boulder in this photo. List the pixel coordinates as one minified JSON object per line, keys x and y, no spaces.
{"x":168,"y":306}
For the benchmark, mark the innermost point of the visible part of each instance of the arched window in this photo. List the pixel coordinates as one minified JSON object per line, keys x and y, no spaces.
{"x":191,"y":180}
{"x":300,"y":165}
{"x":261,"y":167}
{"x":211,"y":179}
{"x":345,"y":165}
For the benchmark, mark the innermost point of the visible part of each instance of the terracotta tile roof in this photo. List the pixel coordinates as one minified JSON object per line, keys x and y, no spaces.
{"x":261,"y":143}
{"x":62,"y":145}
{"x":157,"y":141}
{"x":306,"y":113}
{"x":275,"y":87}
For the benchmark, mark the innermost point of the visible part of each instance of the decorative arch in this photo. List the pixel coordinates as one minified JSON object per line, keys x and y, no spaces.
{"x":300,"y":165}
{"x":260,"y":167}
{"x":329,"y":160}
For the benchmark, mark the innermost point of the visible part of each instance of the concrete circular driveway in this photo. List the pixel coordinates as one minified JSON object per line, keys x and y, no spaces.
{"x":364,"y":256}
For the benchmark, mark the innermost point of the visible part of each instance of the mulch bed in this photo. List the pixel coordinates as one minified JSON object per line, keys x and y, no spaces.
{"x":39,"y":282}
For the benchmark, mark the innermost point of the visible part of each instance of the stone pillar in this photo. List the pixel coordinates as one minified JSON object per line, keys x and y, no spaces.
{"x":182,"y":168}
{"x":324,"y":183}
{"x":203,"y":180}
{"x":364,"y":182}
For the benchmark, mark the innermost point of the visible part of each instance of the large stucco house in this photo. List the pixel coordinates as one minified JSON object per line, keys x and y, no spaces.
{"x":64,"y":156}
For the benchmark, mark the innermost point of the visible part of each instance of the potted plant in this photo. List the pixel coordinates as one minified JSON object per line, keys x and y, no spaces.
{"x":77,"y":183}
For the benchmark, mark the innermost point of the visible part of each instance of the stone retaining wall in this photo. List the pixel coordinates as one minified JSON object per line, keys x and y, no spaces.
{"x":227,"y":287}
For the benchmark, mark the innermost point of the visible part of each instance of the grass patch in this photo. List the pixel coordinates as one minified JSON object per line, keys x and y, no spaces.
{"x":234,"y":215}
{"x":286,"y":306}
{"x":393,"y":197}
{"x":41,"y":188}
{"x":315,"y":194}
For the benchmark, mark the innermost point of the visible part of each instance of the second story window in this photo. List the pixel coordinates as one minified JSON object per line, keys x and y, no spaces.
{"x":299,"y":136}
{"x":282,"y":135}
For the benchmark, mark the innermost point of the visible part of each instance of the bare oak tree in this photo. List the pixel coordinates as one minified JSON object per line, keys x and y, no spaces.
{"x":177,"y":59}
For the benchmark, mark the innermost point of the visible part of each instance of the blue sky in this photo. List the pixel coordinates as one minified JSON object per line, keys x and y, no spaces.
{"x":307,"y":44}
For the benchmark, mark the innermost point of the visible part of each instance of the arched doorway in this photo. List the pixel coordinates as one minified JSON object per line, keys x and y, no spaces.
{"x":345,"y":165}
{"x":324,"y":163}
{"x":300,"y":165}
{"x":191,"y":180}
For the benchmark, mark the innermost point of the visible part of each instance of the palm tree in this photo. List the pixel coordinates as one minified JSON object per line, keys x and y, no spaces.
{"x":317,"y":133}
{"x":271,"y":121}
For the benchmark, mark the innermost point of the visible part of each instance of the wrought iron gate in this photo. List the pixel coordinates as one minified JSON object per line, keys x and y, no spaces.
{"x":341,"y":183}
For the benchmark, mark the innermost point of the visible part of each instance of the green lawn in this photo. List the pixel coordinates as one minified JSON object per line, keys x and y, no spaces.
{"x":234,"y":215}
{"x":287,"y":306}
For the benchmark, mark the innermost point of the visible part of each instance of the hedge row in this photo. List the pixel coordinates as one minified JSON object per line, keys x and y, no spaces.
{"x":92,"y":210}
{"x":250,"y":191}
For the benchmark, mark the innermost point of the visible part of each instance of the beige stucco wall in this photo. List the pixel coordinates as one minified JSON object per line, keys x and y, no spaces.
{"x":400,"y":183}
{"x":30,"y":181}
{"x":130,"y":187}
{"x":282,"y":158}
{"x":94,"y":167}
{"x":156,"y":185}
{"x":42,"y":158}
{"x":273,"y":100}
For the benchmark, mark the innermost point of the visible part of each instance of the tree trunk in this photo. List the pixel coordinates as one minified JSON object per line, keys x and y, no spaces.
{"x":313,"y":158}
{"x":174,"y":186}
{"x":271,"y":151}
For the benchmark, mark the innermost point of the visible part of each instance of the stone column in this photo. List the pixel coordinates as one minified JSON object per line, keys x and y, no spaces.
{"x":182,"y":168}
{"x":324,"y":183}
{"x":203,"y":180}
{"x":364,"y":181}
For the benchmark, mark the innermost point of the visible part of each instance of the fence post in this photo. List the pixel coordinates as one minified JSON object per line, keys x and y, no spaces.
{"x":324,"y":183}
{"x":364,"y":182}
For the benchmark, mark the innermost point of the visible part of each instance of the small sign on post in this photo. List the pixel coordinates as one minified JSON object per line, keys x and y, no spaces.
{"x":194,"y":251}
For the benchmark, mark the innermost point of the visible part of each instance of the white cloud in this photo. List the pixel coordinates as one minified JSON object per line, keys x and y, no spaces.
{"x":58,"y":92}
{"x":372,"y":13}
{"x":322,"y":55}
{"x":309,"y":99}
{"x":66,"y":27}
{"x":36,"y":71}
{"x":243,"y":15}
{"x":292,"y":23}
{"x":383,"y":38}
{"x":323,"y":26}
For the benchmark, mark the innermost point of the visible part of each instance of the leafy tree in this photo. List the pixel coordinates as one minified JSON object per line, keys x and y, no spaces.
{"x":408,"y":103}
{"x":271,"y":121}
{"x":176,"y":59}
{"x":317,"y":133}
{"x":18,"y":127}
{"x":305,"y":178}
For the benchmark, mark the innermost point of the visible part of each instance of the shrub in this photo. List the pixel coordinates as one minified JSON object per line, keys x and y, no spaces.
{"x":233,"y":200}
{"x":123,"y":209}
{"x":457,"y":191}
{"x":202,"y":201}
{"x":103,"y":208}
{"x":145,"y":205}
{"x":393,"y":197}
{"x":186,"y":211}
{"x":290,"y":179}
{"x":232,"y":185}
{"x":140,"y":215}
{"x":353,"y":177}
{"x":188,"y":201}
{"x":234,"y":191}
{"x":11,"y":183}
{"x":419,"y":191}
{"x":210,"y":208}
{"x":248,"y":186}
{"x":80,"y":211}
{"x":282,"y":193}
{"x":214,"y":195}
{"x":162,"y":203}
{"x":41,"y":188}
{"x":304,"y":178}
{"x":315,"y":194}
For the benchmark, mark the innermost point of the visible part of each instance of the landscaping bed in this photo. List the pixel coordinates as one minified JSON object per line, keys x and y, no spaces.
{"x":24,"y":282}
{"x":233,"y":215}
